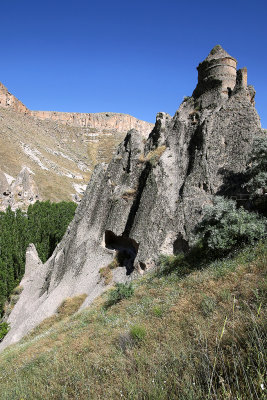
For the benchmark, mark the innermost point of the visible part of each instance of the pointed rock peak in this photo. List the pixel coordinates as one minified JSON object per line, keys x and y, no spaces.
{"x":4,"y":185}
{"x":218,"y":52}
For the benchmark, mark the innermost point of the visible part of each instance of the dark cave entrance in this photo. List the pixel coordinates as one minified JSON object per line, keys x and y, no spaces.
{"x":180,"y":245}
{"x":126,"y":249}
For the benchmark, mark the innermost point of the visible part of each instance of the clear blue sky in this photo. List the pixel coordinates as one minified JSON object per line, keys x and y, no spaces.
{"x":135,"y":57}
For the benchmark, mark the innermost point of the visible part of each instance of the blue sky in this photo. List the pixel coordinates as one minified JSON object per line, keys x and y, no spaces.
{"x":136,"y":57}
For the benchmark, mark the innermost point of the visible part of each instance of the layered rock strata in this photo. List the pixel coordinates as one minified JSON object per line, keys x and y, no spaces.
{"x":96,"y":121}
{"x":146,"y":201}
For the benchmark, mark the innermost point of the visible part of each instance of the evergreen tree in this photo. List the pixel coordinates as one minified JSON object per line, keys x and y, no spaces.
{"x":44,"y":224}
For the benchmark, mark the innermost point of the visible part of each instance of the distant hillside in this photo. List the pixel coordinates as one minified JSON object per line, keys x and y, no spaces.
{"x":51,"y":155}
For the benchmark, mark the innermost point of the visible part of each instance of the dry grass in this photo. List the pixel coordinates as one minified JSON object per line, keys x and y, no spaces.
{"x":154,"y":155}
{"x":106,"y":272}
{"x":190,"y":350}
{"x":129,"y":194}
{"x":67,"y":308}
{"x":142,"y":158}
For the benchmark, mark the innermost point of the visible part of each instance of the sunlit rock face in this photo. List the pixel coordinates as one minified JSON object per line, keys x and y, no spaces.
{"x":148,"y":199}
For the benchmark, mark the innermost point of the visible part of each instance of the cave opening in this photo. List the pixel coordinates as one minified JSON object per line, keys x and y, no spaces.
{"x":180,"y":245}
{"x":125,"y":247}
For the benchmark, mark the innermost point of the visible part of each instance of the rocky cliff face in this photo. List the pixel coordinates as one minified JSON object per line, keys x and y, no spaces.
{"x":7,"y":100}
{"x":95,"y":122}
{"x":60,"y":149}
{"x":147,"y":200}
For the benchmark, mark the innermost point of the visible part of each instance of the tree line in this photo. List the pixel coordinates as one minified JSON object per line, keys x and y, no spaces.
{"x":44,"y":224}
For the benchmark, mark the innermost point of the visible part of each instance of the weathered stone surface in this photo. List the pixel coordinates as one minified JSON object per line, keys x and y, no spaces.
{"x":99,"y":121}
{"x":22,"y":190}
{"x":8,"y":100}
{"x":148,"y":199}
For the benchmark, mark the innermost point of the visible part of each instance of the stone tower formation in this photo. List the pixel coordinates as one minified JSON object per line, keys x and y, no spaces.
{"x":218,"y":77}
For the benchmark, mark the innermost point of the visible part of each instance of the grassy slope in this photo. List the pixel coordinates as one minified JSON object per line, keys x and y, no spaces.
{"x":200,"y":336}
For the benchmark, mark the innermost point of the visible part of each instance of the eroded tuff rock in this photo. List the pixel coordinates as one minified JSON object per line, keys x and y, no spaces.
{"x":18,"y":192}
{"x":149,"y":198}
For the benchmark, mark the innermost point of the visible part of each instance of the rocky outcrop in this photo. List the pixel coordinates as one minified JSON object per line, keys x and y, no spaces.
{"x":21,"y":192}
{"x":8,"y":100}
{"x":149,"y":198}
{"x":105,"y":122}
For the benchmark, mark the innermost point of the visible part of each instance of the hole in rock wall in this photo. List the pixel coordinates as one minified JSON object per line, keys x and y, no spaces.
{"x":180,"y":245}
{"x":126,"y":249}
{"x":142,"y":266}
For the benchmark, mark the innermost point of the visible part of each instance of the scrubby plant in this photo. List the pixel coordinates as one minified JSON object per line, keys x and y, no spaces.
{"x":157,"y":311}
{"x":256,"y":174}
{"x":225,"y":227}
{"x":207,"y":305}
{"x":138,"y":333}
{"x":4,"y":328}
{"x":257,"y":167}
{"x":186,"y":98}
{"x":154,"y":155}
{"x":121,"y":291}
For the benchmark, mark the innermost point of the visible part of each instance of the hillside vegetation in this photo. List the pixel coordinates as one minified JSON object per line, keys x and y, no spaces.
{"x":44,"y":224}
{"x":189,"y":331}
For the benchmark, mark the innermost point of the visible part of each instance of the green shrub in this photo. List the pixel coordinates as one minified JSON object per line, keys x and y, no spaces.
{"x":225,"y":227}
{"x":138,"y":333}
{"x":257,"y":167}
{"x":169,"y":264}
{"x":121,"y":291}
{"x":157,"y":311}
{"x":4,"y":328}
{"x":256,"y":174}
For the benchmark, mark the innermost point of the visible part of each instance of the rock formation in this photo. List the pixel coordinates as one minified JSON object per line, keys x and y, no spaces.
{"x":8,"y":100}
{"x":149,"y":198}
{"x":19,"y":192}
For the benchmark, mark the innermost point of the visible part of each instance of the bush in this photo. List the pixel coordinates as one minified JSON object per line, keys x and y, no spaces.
{"x":224,"y":227}
{"x":121,"y":291}
{"x":4,"y":328}
{"x":256,"y":174}
{"x":157,"y":311}
{"x":138,"y":333}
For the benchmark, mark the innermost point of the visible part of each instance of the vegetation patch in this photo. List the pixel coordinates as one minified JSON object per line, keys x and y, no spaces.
{"x":67,"y":308}
{"x":184,"y":354}
{"x":225,"y":227}
{"x":44,"y":224}
{"x":154,"y":155}
{"x":106,"y":272}
{"x":121,"y":291}
{"x":4,"y":328}
{"x":138,"y":333}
